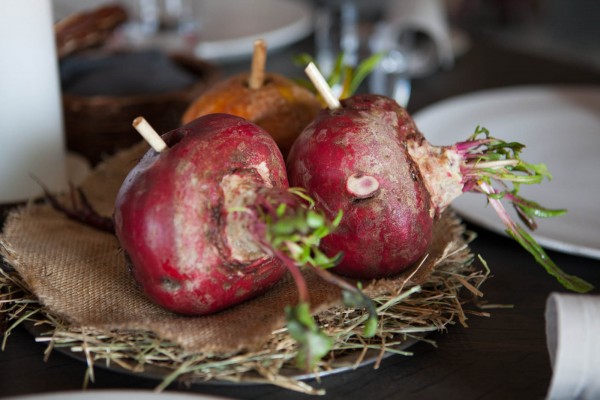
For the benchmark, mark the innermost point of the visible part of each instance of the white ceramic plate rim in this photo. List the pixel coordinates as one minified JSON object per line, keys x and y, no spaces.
{"x":454,"y":119}
{"x":215,"y":49}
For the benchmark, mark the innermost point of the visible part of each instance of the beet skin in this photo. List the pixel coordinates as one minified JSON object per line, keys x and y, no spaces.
{"x":173,"y":216}
{"x":355,"y":159}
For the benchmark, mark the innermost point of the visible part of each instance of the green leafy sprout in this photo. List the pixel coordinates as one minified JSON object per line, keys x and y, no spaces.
{"x":493,"y":164}
{"x":292,"y":230}
{"x":346,"y":77}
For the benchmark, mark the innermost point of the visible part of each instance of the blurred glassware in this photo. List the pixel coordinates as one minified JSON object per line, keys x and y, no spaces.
{"x":421,"y":31}
{"x":31,"y":122}
{"x":336,"y":32}
{"x":342,"y":28}
{"x":171,"y":25}
{"x":390,"y":78}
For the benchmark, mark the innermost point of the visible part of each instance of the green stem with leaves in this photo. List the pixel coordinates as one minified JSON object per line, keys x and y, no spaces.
{"x":528,"y":242}
{"x":492,"y":161}
{"x":290,"y":229}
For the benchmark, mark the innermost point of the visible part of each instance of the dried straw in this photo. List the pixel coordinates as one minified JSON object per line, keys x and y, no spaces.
{"x":405,"y":315}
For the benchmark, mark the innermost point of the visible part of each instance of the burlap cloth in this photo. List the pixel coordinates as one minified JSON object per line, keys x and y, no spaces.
{"x":80,"y":274}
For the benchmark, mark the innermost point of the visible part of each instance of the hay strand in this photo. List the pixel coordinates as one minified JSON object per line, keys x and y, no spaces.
{"x":406,"y":315}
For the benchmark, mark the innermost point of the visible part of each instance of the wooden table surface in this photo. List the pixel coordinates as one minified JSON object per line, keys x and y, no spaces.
{"x":500,"y":357}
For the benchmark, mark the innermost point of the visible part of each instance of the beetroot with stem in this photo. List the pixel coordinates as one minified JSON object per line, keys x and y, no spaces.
{"x":188,"y":253}
{"x":207,"y":221}
{"x":365,"y":177}
{"x":368,"y":159}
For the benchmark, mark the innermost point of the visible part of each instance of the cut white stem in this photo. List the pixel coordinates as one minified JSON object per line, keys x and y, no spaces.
{"x":322,"y":87}
{"x":259,"y":61}
{"x":362,"y":186}
{"x":149,"y":134}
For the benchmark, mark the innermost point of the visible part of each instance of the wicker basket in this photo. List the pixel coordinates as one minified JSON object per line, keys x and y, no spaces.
{"x":97,"y":126}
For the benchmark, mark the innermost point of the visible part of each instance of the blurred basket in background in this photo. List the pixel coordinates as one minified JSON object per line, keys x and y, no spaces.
{"x":104,"y":89}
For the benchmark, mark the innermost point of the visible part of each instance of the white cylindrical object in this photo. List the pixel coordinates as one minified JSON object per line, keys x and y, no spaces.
{"x":573,"y":336}
{"x":322,"y":87}
{"x":405,"y":19}
{"x":31,"y":123}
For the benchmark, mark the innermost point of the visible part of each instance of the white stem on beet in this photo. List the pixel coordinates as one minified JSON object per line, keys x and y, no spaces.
{"x":322,"y":87}
{"x":149,"y":134}
{"x":362,"y":186}
{"x":259,"y":61}
{"x":493,"y":164}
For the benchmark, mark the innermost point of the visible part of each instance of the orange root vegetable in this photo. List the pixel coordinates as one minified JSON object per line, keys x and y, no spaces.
{"x":272,"y":101}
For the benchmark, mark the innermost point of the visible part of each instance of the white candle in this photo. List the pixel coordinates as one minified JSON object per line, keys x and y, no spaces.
{"x":31,"y":125}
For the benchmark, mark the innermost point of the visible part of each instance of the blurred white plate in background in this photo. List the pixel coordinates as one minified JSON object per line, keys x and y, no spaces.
{"x":560,"y":125}
{"x":228,"y":28}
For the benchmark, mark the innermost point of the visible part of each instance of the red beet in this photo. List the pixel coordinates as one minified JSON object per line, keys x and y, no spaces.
{"x":368,"y":159}
{"x":353,"y":159}
{"x":173,"y":215}
{"x":207,"y":221}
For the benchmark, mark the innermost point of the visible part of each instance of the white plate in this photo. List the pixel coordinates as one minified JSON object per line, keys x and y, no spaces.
{"x":560,"y":125}
{"x":228,"y":28}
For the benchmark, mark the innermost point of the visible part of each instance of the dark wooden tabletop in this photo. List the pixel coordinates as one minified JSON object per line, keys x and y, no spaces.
{"x":500,"y":357}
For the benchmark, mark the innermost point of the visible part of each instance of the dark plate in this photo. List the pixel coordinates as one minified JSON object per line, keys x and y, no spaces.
{"x":344,"y":363}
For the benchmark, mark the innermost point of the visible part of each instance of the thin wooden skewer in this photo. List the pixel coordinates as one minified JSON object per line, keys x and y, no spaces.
{"x":259,"y":61}
{"x":322,"y":87}
{"x":149,"y":134}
